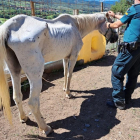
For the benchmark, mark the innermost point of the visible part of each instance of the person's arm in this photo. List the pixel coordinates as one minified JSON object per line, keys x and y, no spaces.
{"x":118,"y":16}
{"x":114,"y":25}
{"x":112,"y":14}
{"x":123,"y":20}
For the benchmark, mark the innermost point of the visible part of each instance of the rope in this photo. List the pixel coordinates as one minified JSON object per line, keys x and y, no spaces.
{"x":23,"y":76}
{"x":45,"y":79}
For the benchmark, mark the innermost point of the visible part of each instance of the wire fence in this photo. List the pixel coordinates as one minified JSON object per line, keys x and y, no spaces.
{"x":49,"y":8}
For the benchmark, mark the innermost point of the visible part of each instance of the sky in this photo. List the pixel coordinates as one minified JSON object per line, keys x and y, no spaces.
{"x":102,"y":0}
{"x":105,"y":0}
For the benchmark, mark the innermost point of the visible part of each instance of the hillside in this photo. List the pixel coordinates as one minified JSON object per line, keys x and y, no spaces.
{"x":50,"y":8}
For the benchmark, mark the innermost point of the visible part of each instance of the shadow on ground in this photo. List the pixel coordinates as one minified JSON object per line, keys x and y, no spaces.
{"x":94,"y":121}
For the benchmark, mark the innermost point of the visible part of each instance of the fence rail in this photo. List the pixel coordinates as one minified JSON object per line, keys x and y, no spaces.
{"x":48,"y":8}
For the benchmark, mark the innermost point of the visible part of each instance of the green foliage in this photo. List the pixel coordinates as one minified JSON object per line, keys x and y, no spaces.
{"x":130,"y":2}
{"x":10,"y":8}
{"x":24,"y":85}
{"x":51,"y":9}
{"x":2,"y":20}
{"x":52,"y":16}
{"x":121,"y":6}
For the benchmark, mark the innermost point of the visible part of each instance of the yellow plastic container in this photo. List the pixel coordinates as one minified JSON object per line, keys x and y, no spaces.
{"x":93,"y":48}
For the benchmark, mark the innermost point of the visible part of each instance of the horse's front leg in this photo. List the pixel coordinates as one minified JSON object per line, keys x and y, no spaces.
{"x":72,"y":63}
{"x":65,"y":66}
{"x":72,"y":60}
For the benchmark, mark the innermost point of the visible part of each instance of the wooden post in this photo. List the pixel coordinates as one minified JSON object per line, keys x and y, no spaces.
{"x":32,"y":8}
{"x":75,"y":12}
{"x":102,"y":7}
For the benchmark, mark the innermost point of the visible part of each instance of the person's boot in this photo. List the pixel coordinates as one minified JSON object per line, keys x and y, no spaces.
{"x":119,"y":105}
{"x":128,"y":100}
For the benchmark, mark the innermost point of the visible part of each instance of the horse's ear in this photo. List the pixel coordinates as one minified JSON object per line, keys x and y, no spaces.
{"x":108,"y":18}
{"x":107,"y":15}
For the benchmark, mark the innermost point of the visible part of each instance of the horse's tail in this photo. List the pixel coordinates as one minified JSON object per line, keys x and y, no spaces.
{"x":4,"y":89}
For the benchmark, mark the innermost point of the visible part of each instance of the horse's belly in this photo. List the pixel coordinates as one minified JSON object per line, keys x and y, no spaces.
{"x":57,"y":54}
{"x":58,"y":47}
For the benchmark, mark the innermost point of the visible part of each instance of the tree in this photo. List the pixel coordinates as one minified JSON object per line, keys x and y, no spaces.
{"x":121,"y":6}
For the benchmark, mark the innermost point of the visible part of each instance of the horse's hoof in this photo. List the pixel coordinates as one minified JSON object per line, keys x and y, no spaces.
{"x":64,"y":89}
{"x":48,"y":131}
{"x":24,"y":120}
{"x":69,"y":96}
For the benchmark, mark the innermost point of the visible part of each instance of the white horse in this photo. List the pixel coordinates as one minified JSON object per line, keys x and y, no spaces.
{"x":31,"y":41}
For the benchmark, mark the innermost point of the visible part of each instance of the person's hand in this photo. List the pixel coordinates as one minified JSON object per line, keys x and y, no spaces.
{"x":111,"y":13}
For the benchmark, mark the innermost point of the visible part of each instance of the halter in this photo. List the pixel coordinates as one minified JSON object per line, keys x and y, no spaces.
{"x":112,"y":33}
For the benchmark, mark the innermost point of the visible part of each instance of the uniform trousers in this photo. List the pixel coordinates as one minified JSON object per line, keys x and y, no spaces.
{"x":128,"y":63}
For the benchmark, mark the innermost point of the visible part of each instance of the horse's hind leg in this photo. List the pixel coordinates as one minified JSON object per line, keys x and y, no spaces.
{"x":33,"y":66}
{"x":65,"y":65}
{"x":35,"y":78}
{"x":15,"y":70}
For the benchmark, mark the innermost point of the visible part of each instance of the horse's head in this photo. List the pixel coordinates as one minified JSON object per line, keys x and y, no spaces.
{"x":109,"y":33}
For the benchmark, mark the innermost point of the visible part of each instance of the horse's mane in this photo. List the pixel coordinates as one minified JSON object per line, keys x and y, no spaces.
{"x":84,"y":22}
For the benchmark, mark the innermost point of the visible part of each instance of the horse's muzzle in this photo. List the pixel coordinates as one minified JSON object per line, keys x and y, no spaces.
{"x":114,"y":38}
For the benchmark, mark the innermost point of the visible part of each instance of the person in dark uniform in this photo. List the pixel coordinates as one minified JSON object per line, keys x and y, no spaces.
{"x":128,"y":59}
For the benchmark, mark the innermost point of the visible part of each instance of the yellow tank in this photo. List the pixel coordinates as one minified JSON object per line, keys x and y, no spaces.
{"x":93,"y":48}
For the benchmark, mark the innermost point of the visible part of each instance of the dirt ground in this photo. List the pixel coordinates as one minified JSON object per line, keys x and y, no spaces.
{"x":84,"y":117}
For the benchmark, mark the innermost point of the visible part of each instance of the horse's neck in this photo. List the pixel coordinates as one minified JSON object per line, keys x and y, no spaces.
{"x":86,"y":23}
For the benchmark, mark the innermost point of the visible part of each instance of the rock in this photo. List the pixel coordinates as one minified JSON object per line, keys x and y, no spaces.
{"x":96,"y":120}
{"x":30,"y":113}
{"x":87,"y":125}
{"x":85,"y":129}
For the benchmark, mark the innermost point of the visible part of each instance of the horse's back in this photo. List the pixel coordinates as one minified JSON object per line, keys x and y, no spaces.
{"x":54,"y":39}
{"x":24,"y":29}
{"x":23,"y":37}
